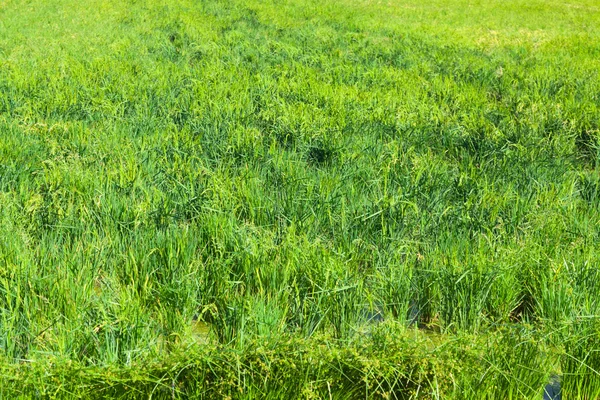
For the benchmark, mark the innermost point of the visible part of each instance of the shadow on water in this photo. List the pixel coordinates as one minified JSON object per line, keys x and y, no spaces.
{"x":552,"y":389}
{"x":376,"y":315}
{"x":414,"y":313}
{"x":373,"y":316}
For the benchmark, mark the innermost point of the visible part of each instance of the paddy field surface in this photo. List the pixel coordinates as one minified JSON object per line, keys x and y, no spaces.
{"x":304,"y":199}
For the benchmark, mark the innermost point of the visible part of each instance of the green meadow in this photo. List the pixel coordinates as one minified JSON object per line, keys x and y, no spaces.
{"x":281,"y":199}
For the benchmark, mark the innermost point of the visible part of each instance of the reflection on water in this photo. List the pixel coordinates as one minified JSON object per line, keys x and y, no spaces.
{"x":552,"y":390}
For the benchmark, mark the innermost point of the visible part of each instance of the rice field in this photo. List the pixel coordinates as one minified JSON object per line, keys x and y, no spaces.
{"x":279,"y":199}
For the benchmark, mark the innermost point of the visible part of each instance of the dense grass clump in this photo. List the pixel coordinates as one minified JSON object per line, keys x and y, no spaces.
{"x":311,"y":199}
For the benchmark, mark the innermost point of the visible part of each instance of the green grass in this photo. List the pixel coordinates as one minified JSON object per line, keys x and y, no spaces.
{"x":211,"y":199}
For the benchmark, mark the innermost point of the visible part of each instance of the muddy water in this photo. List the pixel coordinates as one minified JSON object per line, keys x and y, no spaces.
{"x":201,"y":331}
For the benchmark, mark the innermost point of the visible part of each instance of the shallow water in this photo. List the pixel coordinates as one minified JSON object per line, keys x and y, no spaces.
{"x":552,"y":390}
{"x":201,"y":331}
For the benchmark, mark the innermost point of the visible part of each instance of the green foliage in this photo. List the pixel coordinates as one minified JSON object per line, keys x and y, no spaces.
{"x":305,"y":180}
{"x":581,"y":359}
{"x":389,"y":363}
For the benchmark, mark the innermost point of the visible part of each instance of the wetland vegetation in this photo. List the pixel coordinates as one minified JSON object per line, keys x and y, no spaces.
{"x":299,"y":199}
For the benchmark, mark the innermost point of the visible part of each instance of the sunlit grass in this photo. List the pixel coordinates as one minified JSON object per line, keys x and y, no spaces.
{"x":340,"y":199}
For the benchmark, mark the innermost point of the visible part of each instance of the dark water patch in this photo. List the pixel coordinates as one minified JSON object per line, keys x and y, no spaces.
{"x":414,"y":313}
{"x":552,"y":390}
{"x":373,"y":316}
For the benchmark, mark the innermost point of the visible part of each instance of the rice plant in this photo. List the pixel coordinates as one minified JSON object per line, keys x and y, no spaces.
{"x":299,"y":199}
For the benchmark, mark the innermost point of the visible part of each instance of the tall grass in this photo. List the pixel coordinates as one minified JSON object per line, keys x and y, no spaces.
{"x":395,"y":200}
